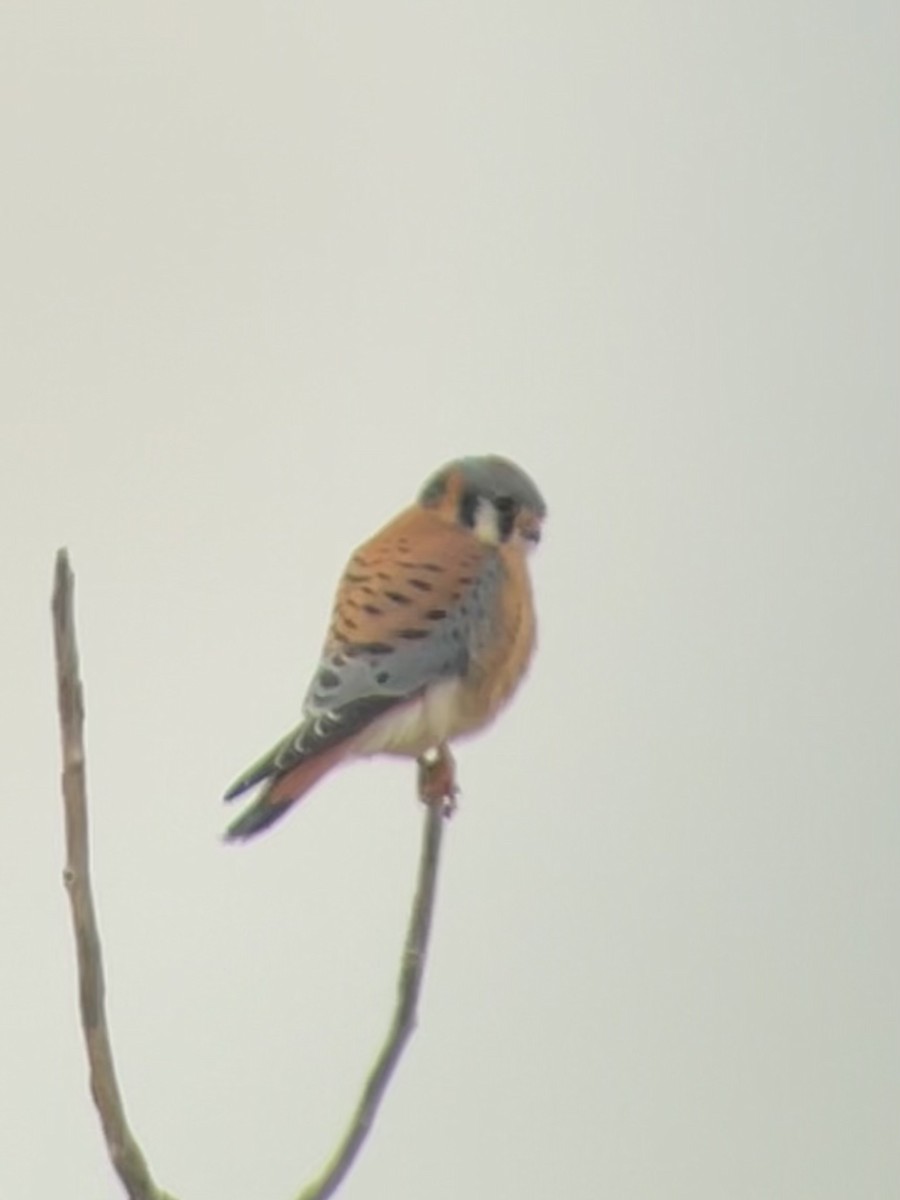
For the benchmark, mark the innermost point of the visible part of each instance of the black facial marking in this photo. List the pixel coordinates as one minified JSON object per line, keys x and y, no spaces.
{"x":506,"y":509}
{"x":382,"y":676}
{"x":468,"y":509}
{"x":328,"y":679}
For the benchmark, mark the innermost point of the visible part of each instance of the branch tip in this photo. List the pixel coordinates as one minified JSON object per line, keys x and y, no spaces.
{"x":124,"y":1152}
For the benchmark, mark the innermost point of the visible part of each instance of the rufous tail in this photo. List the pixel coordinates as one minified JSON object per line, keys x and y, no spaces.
{"x":281,"y":794}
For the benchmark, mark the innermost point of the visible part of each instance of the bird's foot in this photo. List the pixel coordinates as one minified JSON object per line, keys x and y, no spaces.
{"x":437,"y":780}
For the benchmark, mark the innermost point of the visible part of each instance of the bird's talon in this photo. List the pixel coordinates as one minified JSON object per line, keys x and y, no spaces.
{"x":449,"y":805}
{"x":437,"y":781}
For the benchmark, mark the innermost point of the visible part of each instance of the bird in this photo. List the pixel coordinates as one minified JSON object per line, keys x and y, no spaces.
{"x":432,"y":630}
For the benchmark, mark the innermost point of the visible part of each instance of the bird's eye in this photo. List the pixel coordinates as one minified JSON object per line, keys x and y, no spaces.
{"x":505,"y":508}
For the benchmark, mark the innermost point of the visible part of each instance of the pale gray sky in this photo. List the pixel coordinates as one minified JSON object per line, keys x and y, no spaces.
{"x":264,"y":266}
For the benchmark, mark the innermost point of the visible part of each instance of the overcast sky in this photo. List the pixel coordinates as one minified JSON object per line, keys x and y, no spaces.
{"x":264,"y":267}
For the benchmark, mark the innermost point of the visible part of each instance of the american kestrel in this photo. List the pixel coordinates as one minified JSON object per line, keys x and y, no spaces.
{"x":432,"y":630}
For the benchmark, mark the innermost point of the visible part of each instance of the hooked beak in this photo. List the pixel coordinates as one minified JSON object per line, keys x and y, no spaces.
{"x":529,"y":527}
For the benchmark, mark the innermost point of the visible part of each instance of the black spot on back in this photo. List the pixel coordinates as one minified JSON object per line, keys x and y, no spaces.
{"x":412,"y":635}
{"x":398,"y":597}
{"x":433,"y":567}
{"x":421,"y":585}
{"x":436,"y":614}
{"x":373,"y":610}
{"x":357,"y":648}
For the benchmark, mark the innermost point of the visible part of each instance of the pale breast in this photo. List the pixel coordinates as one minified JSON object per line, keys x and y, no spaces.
{"x":417,"y":725}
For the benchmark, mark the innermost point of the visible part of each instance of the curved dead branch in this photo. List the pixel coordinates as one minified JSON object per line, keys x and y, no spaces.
{"x":124,"y":1151}
{"x":409,"y":985}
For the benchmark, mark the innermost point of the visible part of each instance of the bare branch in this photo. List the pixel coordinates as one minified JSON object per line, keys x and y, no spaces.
{"x":436,"y":789}
{"x":124,"y":1152}
{"x":409,"y":985}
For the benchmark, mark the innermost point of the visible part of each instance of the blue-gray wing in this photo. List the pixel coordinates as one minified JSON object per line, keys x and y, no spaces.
{"x":406,"y":646}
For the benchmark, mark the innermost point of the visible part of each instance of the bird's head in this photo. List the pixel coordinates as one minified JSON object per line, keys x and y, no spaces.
{"x":489,"y":495}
